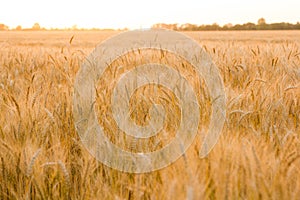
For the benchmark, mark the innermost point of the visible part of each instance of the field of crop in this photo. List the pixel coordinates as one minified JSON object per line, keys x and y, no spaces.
{"x":256,"y":157}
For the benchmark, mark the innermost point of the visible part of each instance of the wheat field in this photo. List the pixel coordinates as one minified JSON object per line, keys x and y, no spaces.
{"x":256,"y":157}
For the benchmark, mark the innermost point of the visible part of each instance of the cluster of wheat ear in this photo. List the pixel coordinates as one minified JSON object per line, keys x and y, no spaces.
{"x":257,"y":156}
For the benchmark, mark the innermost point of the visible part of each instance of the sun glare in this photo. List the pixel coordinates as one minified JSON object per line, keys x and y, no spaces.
{"x":142,"y":14}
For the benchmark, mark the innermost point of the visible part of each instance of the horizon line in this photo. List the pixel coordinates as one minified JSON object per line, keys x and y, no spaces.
{"x":36,"y":26}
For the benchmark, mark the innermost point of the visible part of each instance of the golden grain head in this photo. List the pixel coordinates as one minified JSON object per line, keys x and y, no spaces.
{"x":257,"y":156}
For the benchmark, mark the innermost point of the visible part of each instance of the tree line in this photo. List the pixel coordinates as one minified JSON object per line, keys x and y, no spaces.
{"x":35,"y":27}
{"x":261,"y":25}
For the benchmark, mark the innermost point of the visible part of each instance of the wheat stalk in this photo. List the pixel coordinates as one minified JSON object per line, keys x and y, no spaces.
{"x":31,"y":163}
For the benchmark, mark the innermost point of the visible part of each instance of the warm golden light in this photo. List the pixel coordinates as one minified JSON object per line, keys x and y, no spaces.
{"x":142,"y":14}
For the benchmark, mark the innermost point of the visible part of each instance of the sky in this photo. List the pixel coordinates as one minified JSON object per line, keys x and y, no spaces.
{"x":142,"y":14}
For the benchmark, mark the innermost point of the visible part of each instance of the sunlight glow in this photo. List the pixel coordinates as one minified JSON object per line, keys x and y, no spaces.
{"x":143,"y":14}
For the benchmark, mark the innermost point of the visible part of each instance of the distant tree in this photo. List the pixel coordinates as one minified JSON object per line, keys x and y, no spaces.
{"x":215,"y":26}
{"x":166,"y":26}
{"x":174,"y":26}
{"x":212,"y":27}
{"x":249,"y":26}
{"x":229,"y":25}
{"x":185,"y":26}
{"x":188,"y":27}
{"x":261,"y":24}
{"x":3,"y":27}
{"x":36,"y":26}
{"x":19,"y":28}
{"x":261,"y":21}
{"x":74,"y":27}
{"x":237,"y":27}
